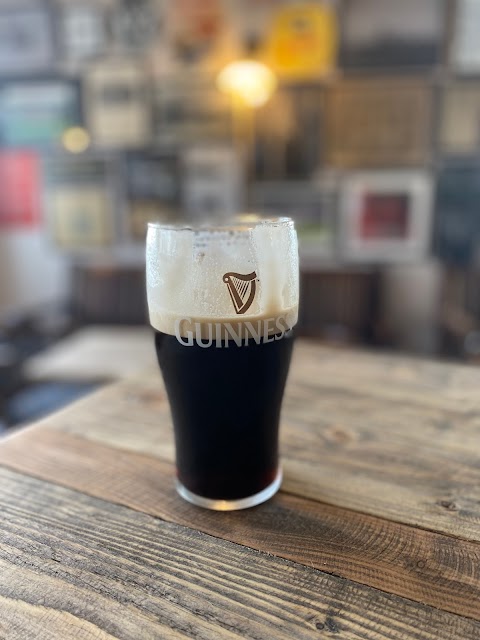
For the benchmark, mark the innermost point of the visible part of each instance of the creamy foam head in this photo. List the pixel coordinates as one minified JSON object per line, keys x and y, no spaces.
{"x":231,"y":274}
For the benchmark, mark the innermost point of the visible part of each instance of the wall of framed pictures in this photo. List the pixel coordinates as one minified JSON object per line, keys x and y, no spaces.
{"x":371,"y":141}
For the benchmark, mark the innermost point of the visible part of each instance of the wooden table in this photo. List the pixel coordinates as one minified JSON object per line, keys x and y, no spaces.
{"x":94,"y":353}
{"x":375,"y":533}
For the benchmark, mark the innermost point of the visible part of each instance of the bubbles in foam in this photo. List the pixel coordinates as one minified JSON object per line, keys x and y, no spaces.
{"x":185,"y":269}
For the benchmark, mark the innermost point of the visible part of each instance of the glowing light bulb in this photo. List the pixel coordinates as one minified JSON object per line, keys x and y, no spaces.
{"x":76,"y":139}
{"x":251,"y":82}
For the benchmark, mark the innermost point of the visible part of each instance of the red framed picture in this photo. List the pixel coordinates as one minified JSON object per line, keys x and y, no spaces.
{"x":20,"y":189}
{"x":385,"y":215}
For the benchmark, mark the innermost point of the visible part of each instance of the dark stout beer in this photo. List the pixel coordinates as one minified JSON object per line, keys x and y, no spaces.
{"x":225,"y":405}
{"x":223,"y":303}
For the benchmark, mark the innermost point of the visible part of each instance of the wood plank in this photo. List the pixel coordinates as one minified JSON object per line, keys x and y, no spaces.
{"x":428,"y":383}
{"x":77,"y":567}
{"x":420,"y":565}
{"x":370,"y":449}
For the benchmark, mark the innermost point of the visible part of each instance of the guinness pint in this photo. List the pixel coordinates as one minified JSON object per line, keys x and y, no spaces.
{"x":223,"y":303}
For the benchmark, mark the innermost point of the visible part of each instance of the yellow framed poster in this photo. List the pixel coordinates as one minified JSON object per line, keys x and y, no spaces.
{"x":303,"y":41}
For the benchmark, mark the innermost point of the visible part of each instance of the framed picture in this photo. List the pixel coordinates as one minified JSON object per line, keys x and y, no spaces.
{"x":80,"y":198}
{"x":465,"y":44}
{"x":190,"y":110}
{"x":457,"y":224}
{"x":200,"y":36}
{"x":303,"y":40}
{"x":289,"y":134}
{"x":313,"y":206}
{"x":20,"y":180}
{"x":83,"y":30}
{"x":36,"y":111}
{"x":387,"y":33}
{"x":213,"y":182}
{"x":459,"y":131}
{"x":27,"y":39}
{"x":136,"y":24}
{"x":117,"y":104}
{"x":377,"y":123}
{"x":153,"y":190}
{"x":386,"y":216}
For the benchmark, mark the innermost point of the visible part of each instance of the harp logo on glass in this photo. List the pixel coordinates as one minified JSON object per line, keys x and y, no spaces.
{"x":242,"y":289}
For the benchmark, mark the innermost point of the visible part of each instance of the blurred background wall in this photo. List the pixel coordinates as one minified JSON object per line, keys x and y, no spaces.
{"x":364,"y":127}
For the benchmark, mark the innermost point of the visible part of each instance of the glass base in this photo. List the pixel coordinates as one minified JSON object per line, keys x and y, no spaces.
{"x":231,"y":505}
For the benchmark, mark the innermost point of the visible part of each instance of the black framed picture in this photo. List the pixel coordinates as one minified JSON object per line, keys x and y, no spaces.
{"x":36,"y":111}
{"x":457,"y":224}
{"x":188,"y":109}
{"x":83,"y":30}
{"x":81,"y":197}
{"x":153,"y":187}
{"x":27,"y":37}
{"x":388,"y":33}
{"x":136,"y":24}
{"x":289,"y":134}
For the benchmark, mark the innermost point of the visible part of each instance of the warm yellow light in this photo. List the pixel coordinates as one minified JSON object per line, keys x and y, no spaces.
{"x":76,"y":139}
{"x":251,"y":82}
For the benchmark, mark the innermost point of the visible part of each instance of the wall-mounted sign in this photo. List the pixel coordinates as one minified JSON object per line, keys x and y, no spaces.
{"x":37,"y":111}
{"x":377,"y":123}
{"x":20,"y":201}
{"x":117,"y":104}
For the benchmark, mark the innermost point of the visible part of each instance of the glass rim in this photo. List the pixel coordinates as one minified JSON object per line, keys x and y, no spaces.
{"x":238,"y":223}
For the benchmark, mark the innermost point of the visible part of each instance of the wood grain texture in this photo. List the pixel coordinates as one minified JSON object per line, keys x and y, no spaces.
{"x":397,"y":438}
{"x":420,"y":565}
{"x":76,"y":567}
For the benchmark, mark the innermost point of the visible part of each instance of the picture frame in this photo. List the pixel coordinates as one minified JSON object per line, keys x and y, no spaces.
{"x":118,"y":104}
{"x":459,"y":126}
{"x":213,"y":182}
{"x":83,"y":30}
{"x":380,"y":34}
{"x":153,"y":188}
{"x":465,"y":42}
{"x":289,"y":134}
{"x":135,"y":24}
{"x":313,"y":207}
{"x":302,"y":40}
{"x":457,"y":227}
{"x":80,"y":197}
{"x":189,"y":110}
{"x":27,"y":38}
{"x":20,"y":186}
{"x":35,"y":111}
{"x":200,"y":35}
{"x":385,"y":216}
{"x":372,"y":123}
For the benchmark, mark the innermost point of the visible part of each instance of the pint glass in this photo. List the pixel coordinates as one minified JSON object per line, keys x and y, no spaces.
{"x":223,"y":302}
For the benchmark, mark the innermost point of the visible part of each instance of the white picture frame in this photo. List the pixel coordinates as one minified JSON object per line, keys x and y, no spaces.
{"x":117,"y":104}
{"x":465,"y":43}
{"x":385,"y":216}
{"x":83,"y":31}
{"x":459,"y":126}
{"x":27,"y":39}
{"x":81,"y":198}
{"x":313,"y":207}
{"x":213,"y":181}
